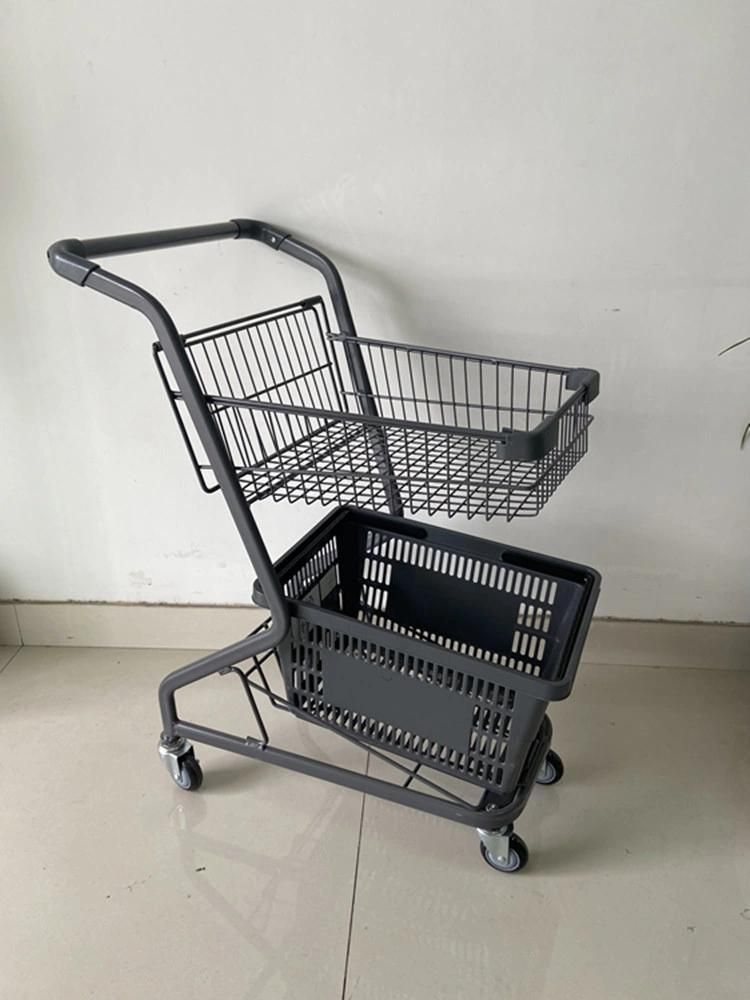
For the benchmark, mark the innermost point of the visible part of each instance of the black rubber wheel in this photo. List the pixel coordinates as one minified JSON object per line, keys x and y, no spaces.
{"x":518,"y":856}
{"x":191,"y":775}
{"x":552,"y":770}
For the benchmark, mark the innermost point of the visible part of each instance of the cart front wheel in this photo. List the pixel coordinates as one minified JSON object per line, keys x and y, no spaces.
{"x":551,"y":770}
{"x":191,"y":776}
{"x":518,"y":856}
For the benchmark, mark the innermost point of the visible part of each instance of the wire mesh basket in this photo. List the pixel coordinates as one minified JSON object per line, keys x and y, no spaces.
{"x":438,"y":430}
{"x":430,"y":644}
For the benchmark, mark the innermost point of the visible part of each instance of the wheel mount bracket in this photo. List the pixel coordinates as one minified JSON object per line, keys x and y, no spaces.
{"x":172,"y":752}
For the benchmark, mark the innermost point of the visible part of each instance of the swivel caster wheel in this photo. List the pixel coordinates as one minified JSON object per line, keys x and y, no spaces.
{"x":516,"y":859}
{"x":551,"y":770}
{"x":182,"y":764}
{"x":190,"y":776}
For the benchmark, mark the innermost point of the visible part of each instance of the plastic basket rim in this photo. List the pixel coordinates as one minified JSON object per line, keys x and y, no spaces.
{"x":548,"y":689}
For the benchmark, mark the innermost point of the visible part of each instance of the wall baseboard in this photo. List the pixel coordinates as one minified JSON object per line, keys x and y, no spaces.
{"x":169,"y":626}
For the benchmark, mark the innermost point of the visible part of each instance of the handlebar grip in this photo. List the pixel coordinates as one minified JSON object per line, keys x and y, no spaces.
{"x":72,"y":259}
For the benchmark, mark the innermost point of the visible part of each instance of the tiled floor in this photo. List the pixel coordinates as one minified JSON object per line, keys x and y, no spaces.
{"x":266,"y":884}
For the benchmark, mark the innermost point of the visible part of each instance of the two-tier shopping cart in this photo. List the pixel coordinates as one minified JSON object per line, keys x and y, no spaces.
{"x":434,"y":650}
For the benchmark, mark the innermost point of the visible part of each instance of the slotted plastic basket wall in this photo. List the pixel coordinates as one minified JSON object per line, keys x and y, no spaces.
{"x":454,"y":432}
{"x":431,"y":644}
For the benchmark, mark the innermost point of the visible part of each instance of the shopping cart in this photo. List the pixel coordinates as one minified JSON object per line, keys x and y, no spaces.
{"x":436,"y":651}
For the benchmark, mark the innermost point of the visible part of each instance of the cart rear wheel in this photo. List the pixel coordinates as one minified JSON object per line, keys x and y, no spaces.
{"x":518,"y":856}
{"x":551,"y":770}
{"x":191,"y":775}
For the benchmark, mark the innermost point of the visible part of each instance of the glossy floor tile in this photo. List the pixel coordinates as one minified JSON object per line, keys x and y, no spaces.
{"x":639,"y":878}
{"x":116,"y":884}
{"x":6,"y":655}
{"x":10,"y":633}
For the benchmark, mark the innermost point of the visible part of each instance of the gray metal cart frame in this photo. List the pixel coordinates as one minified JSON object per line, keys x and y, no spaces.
{"x":494,"y":813}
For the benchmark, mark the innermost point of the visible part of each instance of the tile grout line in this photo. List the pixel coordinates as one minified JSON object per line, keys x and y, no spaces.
{"x":18,"y":625}
{"x":354,"y":888}
{"x":5,"y":665}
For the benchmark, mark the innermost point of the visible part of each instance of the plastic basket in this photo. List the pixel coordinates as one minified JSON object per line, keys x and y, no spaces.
{"x":437,"y":430}
{"x":431,"y":644}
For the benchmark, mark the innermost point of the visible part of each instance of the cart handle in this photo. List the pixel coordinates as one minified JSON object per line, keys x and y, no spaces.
{"x":71,"y":259}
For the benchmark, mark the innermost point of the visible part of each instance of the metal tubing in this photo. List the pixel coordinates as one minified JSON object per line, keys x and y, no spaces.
{"x":490,"y":820}
{"x":314,"y":258}
{"x":253,"y":645}
{"x":131,"y":295}
{"x":110,"y":246}
{"x":72,"y":260}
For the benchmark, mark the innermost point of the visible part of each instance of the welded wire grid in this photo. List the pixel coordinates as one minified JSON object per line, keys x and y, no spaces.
{"x":291,"y":417}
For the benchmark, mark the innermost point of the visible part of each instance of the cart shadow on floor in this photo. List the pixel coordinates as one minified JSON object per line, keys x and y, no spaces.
{"x":296,"y":871}
{"x":578,"y":833}
{"x":234,"y":775}
{"x":567,"y":831}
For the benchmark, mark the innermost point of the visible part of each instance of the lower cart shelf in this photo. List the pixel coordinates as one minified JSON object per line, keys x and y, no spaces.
{"x":492,"y":815}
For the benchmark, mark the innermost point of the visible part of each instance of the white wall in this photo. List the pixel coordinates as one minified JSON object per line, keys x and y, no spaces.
{"x":566,"y":182}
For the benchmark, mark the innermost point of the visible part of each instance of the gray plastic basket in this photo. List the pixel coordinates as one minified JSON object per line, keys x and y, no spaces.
{"x":431,"y":644}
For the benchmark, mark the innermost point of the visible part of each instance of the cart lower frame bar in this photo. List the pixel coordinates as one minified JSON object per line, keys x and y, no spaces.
{"x":492,"y":812}
{"x":486,"y":814}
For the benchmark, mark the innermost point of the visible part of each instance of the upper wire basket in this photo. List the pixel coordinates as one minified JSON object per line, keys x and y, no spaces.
{"x":430,"y":430}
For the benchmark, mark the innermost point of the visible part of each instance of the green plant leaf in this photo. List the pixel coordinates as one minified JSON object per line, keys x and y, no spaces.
{"x":745,"y":436}
{"x":731,"y":347}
